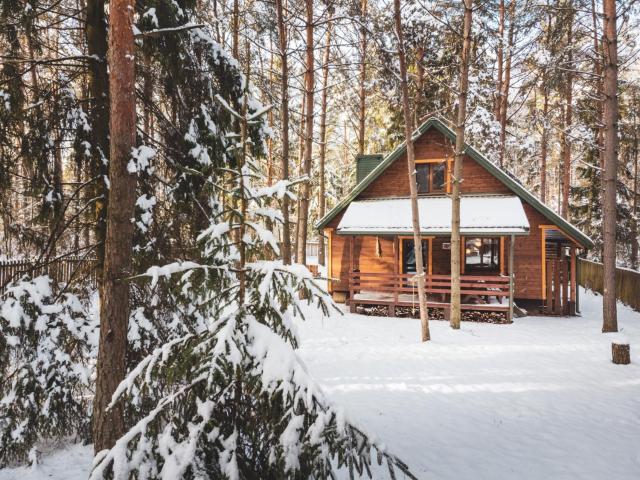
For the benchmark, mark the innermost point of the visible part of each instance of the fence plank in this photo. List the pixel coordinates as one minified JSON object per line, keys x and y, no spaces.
{"x":627,"y":282}
{"x":63,"y":270}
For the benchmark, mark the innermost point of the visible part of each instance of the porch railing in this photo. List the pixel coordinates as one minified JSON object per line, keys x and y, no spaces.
{"x":401,"y":289}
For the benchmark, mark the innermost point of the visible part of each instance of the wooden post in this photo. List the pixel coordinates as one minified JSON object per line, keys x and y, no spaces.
{"x":352,"y":306}
{"x":396,"y":279}
{"x":574,"y":282}
{"x":564,"y":271}
{"x":511,"y":279}
{"x":556,"y":287}
{"x":548,"y":306}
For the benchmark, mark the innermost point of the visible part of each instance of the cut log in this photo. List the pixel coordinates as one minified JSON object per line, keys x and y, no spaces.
{"x":621,"y":353}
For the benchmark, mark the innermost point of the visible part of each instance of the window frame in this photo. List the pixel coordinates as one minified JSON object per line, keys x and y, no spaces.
{"x":430,"y":185}
{"x":472,"y":268}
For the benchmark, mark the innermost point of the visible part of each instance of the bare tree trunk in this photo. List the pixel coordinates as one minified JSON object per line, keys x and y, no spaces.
{"x":597,"y":70}
{"x":363,"y":79}
{"x":419,"y":85}
{"x":301,"y":145}
{"x":497,"y":102}
{"x":568,"y":119}
{"x":506,"y":84}
{"x":456,"y":178}
{"x":114,"y":291}
{"x":96,"y":34}
{"x":411,"y":165}
{"x":303,"y":214}
{"x":544,"y":146}
{"x":610,"y":46}
{"x":323,"y":137}
{"x":634,"y":218}
{"x":284,"y":106}
{"x":235,"y":30}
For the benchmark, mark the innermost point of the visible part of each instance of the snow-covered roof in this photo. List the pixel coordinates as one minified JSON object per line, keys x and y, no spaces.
{"x":479,"y":215}
{"x":503,"y":176}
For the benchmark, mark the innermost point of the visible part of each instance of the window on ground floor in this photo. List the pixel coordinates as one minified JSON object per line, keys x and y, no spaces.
{"x":409,"y":255}
{"x":482,"y":255}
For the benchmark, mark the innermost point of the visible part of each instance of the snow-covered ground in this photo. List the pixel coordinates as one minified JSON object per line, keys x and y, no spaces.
{"x":538,"y":399}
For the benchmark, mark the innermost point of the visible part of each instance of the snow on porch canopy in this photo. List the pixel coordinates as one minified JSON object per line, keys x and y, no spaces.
{"x":479,"y":215}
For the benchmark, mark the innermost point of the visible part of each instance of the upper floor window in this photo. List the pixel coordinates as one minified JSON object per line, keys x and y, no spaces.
{"x":431,"y":177}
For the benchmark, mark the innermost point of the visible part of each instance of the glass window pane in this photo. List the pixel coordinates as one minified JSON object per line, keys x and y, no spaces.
{"x":482,"y":254}
{"x":409,"y":256}
{"x":422,"y":177}
{"x":439,"y":171}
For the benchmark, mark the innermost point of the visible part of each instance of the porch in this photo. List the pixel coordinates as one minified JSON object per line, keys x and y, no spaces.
{"x":478,"y":292}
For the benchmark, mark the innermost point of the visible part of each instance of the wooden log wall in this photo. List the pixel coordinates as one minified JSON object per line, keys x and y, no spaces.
{"x":590,"y":275}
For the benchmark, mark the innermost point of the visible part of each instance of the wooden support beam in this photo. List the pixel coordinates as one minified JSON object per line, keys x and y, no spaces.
{"x":511,"y":279}
{"x":574,"y":282}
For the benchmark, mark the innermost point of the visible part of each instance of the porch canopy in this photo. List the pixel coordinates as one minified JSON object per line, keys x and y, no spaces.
{"x":480,"y":215}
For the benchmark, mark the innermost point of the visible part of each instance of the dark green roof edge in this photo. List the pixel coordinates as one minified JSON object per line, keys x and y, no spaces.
{"x":496,"y":171}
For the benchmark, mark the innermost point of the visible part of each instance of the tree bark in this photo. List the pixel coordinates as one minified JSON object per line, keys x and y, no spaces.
{"x":363,"y":79}
{"x":96,"y":35}
{"x":506,"y":83}
{"x":634,"y":217}
{"x":456,"y":178}
{"x":567,"y":120}
{"x":323,"y":138}
{"x":544,"y":146}
{"x":284,"y":106}
{"x":411,"y":165}
{"x":610,"y":46}
{"x":303,"y":214}
{"x":500,"y":60}
{"x":114,"y":291}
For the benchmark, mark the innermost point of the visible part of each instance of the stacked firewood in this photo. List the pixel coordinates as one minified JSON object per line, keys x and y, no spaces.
{"x":434,"y":313}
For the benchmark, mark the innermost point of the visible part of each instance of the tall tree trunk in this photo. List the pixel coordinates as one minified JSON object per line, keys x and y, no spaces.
{"x":323,"y":137}
{"x":114,"y":291}
{"x":544,"y":145}
{"x":419,"y":97}
{"x":610,"y":46}
{"x":235,"y":30}
{"x":456,"y":178}
{"x":284,"y":106}
{"x":303,"y":214}
{"x":634,"y":216}
{"x":411,"y":165}
{"x":597,"y":70}
{"x":497,"y":102}
{"x":567,"y":120}
{"x":363,"y":79}
{"x":506,"y":83}
{"x":301,"y":145}
{"x":96,"y":34}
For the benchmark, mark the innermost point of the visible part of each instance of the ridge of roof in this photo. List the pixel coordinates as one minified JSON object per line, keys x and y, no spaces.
{"x":504,"y":176}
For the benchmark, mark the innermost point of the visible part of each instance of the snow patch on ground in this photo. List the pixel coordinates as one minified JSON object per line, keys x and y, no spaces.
{"x":536,"y":399}
{"x":70,"y":463}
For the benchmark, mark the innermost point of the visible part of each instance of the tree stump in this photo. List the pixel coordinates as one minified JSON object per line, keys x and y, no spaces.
{"x":621,"y":353}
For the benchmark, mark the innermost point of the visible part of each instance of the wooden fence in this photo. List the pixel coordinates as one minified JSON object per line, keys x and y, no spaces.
{"x":64,"y":270}
{"x":590,"y":275}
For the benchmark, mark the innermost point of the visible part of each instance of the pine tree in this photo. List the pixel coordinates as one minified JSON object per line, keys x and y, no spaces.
{"x":232,"y":400}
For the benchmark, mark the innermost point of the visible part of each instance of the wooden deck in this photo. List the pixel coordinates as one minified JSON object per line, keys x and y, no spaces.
{"x":478,"y":292}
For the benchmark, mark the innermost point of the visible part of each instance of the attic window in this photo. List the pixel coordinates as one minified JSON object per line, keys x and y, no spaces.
{"x":431,"y":177}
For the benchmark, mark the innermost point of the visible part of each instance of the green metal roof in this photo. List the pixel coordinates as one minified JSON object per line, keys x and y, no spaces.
{"x":515,"y":186}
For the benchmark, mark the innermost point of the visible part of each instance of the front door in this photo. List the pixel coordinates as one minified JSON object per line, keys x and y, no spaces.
{"x":409,"y":255}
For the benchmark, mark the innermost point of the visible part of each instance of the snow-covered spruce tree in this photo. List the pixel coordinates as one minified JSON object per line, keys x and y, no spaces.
{"x":46,"y":346}
{"x":234,"y":400}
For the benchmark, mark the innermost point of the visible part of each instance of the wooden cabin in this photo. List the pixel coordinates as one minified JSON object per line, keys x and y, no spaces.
{"x":516,"y":251}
